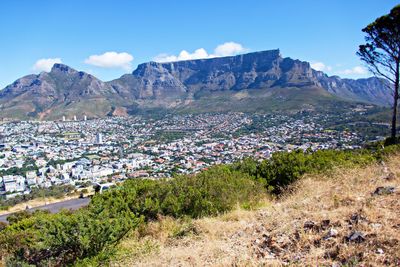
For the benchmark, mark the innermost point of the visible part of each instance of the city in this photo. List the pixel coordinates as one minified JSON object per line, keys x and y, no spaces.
{"x":82,"y":152}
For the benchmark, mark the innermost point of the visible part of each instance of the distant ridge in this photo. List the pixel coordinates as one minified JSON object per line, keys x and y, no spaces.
{"x":258,"y":81}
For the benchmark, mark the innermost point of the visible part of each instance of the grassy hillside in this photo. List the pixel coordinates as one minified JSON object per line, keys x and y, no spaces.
{"x":315,"y":223}
{"x":266,"y":100}
{"x":126,"y":215}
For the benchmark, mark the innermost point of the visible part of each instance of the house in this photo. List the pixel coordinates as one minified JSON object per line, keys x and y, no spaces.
{"x":13,"y":183}
{"x":31,"y":177}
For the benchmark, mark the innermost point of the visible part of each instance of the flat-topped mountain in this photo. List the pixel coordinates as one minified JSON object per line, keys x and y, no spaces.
{"x":259,"y":81}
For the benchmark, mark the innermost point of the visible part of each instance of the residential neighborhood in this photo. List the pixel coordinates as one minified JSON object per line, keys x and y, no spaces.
{"x":80,"y":151}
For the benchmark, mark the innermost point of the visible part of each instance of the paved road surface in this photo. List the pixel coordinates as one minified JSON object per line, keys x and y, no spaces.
{"x":71,"y":204}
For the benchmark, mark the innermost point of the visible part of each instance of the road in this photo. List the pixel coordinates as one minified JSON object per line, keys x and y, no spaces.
{"x":71,"y":204}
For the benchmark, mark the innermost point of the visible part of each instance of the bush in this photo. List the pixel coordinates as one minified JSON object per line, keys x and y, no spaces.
{"x":3,"y":226}
{"x":286,"y":167}
{"x":61,"y":239}
{"x":208,"y":193}
{"x":90,"y":233}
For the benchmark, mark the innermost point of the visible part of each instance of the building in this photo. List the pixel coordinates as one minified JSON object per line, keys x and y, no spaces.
{"x":31,"y":177}
{"x":99,"y":138}
{"x":13,"y":183}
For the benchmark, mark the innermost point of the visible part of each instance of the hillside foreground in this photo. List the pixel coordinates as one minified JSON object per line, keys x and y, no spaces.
{"x":345,"y":217}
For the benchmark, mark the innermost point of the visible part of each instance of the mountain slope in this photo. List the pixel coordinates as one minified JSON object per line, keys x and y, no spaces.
{"x":259,"y":81}
{"x":61,"y":91}
{"x":310,"y":226}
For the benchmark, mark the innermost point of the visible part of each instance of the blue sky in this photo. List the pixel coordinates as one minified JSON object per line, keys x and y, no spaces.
{"x":35,"y":34}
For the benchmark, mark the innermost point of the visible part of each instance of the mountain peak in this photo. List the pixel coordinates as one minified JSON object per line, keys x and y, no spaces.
{"x":58,"y":67}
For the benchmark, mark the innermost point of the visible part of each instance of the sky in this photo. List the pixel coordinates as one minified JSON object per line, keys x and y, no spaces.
{"x":110,"y":38}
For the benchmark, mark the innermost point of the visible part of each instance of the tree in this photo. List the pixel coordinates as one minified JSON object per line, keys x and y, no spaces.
{"x":381,"y":53}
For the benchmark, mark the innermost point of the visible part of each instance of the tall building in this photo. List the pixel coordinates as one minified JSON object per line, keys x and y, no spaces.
{"x":63,"y":118}
{"x":99,"y":138}
{"x":121,"y":152}
{"x":85,"y":118}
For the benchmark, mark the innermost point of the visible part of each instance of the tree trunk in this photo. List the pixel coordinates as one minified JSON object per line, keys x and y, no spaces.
{"x":396,"y":97}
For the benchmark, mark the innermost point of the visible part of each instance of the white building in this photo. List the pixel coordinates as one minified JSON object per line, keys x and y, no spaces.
{"x":99,"y":138}
{"x":31,"y":177}
{"x":14,"y":183}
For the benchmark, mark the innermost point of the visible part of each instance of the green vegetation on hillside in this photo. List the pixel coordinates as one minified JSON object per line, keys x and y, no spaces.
{"x":276,"y":100}
{"x":168,"y":136}
{"x":285,"y":168}
{"x":89,"y":235}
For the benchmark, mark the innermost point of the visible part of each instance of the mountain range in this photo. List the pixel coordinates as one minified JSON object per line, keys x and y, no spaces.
{"x":254,"y":82}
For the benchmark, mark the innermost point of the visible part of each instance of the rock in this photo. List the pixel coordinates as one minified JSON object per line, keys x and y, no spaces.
{"x":325,"y":224}
{"x":356,"y":237}
{"x":283,"y":240}
{"x":260,"y":228}
{"x":310,"y":225}
{"x":376,"y":225}
{"x":331,"y":233}
{"x":269,"y":256}
{"x":356,"y":218}
{"x":238,"y":234}
{"x":263,"y":247}
{"x":384,"y":190}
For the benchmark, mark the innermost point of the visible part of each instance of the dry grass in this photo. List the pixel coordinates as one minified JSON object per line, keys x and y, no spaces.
{"x":292,"y":230}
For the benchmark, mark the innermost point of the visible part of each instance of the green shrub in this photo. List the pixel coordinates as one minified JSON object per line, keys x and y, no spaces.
{"x":207,"y":193}
{"x":3,"y":226}
{"x":61,"y":239}
{"x":283,"y":168}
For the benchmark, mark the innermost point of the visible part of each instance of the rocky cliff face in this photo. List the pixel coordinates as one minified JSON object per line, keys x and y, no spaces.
{"x":250,"y":71}
{"x":372,"y":90}
{"x":175,"y":84}
{"x":259,"y":70}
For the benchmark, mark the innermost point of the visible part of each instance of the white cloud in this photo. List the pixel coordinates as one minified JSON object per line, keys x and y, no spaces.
{"x":183,"y":55}
{"x":357,"y":70}
{"x":111,"y":60}
{"x":45,"y":64}
{"x":352,"y":72}
{"x":320,"y":66}
{"x":229,"y":49}
{"x":222,"y":50}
